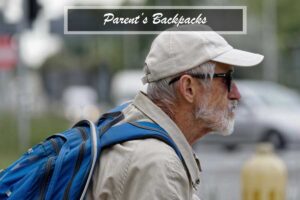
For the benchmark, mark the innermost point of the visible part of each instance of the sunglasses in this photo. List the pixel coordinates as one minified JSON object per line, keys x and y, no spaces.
{"x":226,"y":76}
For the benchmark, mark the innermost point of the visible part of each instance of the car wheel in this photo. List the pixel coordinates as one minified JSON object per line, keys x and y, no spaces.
{"x":275,"y":138}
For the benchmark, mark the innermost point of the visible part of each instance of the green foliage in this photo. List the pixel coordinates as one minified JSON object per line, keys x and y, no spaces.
{"x":169,"y":2}
{"x":87,"y":53}
{"x":288,"y":23}
{"x":41,"y":128}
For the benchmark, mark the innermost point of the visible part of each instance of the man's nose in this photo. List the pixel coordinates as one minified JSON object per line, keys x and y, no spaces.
{"x":234,"y":93}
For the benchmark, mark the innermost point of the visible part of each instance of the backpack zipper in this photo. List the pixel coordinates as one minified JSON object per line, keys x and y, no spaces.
{"x":46,"y":178}
{"x":78,"y":161}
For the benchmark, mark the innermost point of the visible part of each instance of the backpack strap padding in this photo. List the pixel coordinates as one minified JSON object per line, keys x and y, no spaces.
{"x":116,"y":117}
{"x":134,"y":131}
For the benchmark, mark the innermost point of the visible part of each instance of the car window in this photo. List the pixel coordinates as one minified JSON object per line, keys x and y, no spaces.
{"x":268,"y":94}
{"x":280,"y":97}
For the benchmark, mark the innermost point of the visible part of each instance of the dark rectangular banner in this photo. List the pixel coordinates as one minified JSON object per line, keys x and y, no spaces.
{"x":152,"y":20}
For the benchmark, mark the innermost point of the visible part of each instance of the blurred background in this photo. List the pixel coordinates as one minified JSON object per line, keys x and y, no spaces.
{"x":49,"y":80}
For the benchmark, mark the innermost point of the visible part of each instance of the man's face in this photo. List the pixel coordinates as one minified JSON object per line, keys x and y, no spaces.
{"x":216,"y":105}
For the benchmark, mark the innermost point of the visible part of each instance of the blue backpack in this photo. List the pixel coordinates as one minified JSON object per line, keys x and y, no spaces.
{"x":61,"y":167}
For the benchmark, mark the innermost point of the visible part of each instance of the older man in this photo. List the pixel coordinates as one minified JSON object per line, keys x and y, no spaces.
{"x":190,"y":93}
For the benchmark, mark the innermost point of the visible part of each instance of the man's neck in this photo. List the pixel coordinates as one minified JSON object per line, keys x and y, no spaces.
{"x":191,"y":128}
{"x":184,"y":118}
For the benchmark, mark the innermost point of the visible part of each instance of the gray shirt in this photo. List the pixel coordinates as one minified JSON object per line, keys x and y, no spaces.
{"x":146,"y":169}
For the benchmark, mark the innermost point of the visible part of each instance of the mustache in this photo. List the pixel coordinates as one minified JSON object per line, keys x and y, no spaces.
{"x":233,"y":105}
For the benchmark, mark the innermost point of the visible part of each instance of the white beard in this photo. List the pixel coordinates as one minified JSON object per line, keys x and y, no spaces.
{"x":219,"y":121}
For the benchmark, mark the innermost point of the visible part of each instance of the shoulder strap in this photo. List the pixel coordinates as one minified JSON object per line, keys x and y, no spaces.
{"x":136,"y":130}
{"x":109,"y":119}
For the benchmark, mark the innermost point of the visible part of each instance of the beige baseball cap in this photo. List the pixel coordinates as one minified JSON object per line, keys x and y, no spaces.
{"x":179,"y":49}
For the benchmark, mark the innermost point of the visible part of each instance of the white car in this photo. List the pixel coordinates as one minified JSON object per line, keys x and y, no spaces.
{"x":268,"y":112}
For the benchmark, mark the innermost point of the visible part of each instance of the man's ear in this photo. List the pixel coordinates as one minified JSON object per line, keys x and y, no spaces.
{"x":187,"y":88}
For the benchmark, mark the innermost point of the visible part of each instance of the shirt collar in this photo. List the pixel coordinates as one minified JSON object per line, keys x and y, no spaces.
{"x":151,"y":110}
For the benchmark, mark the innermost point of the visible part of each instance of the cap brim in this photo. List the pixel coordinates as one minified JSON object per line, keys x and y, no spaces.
{"x":240,"y":58}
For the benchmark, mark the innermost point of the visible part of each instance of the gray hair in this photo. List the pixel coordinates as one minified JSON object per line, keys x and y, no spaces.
{"x":165,"y":95}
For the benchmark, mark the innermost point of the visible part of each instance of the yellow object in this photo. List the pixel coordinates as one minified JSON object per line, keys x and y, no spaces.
{"x":264,"y":175}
